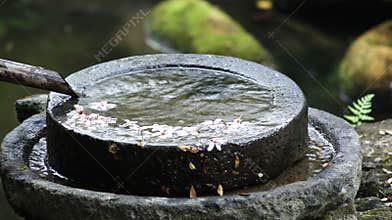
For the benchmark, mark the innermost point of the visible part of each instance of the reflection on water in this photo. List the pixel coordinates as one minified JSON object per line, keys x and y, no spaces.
{"x":189,"y":105}
{"x":65,"y":35}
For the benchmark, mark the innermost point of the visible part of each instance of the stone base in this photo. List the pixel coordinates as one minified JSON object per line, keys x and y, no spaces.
{"x":35,"y":197}
{"x":29,"y":106}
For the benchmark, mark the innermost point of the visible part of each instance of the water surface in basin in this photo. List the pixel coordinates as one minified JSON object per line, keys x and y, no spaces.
{"x":183,"y":105}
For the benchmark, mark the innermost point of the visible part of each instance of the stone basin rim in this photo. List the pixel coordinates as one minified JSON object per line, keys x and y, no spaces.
{"x":335,"y":185}
{"x":272,"y":149}
{"x":289,"y":98}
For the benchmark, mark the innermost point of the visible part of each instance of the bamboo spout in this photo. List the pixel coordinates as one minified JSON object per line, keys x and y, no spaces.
{"x":34,"y":76}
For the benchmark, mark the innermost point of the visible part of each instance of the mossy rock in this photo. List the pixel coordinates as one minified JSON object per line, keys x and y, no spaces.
{"x":344,"y":212}
{"x":368,"y":62}
{"x":375,"y":192}
{"x":196,"y":26}
{"x":368,"y":203}
{"x":377,"y":160}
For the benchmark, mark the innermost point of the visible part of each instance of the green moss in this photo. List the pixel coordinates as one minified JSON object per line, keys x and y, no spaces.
{"x":373,"y":188}
{"x":195,"y":26}
{"x":366,"y":63}
{"x":378,"y":213}
{"x":23,"y":168}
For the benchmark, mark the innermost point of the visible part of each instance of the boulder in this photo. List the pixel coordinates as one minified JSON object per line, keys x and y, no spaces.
{"x":196,"y":26}
{"x":368,"y":62}
{"x":30,"y":106}
{"x":344,"y":212}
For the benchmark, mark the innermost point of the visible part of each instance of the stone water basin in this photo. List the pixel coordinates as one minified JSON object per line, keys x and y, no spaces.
{"x":284,"y":164}
{"x":168,"y":124}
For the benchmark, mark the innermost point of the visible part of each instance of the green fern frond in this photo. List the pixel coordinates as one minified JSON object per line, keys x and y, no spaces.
{"x":360,"y":111}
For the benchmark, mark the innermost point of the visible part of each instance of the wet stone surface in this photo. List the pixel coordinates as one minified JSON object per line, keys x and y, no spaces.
{"x":375,"y":193}
{"x":189,"y":119}
{"x":318,"y":156}
{"x":335,"y":185}
{"x":30,"y":106}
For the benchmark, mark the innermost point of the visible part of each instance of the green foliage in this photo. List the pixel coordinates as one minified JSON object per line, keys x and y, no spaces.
{"x":360,"y":111}
{"x":19,"y":15}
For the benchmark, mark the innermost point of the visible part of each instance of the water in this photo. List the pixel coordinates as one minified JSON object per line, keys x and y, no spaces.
{"x":187,"y":105}
{"x":319,"y":153}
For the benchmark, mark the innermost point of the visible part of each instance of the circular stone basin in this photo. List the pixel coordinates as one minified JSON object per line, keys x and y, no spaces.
{"x":173,"y":124}
{"x":37,"y":197}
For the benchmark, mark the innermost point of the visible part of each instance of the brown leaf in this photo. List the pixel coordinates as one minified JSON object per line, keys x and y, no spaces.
{"x":244,"y":194}
{"x":235,"y":172}
{"x":189,"y":149}
{"x":236,"y":162}
{"x":192,"y":192}
{"x":113,"y":149}
{"x":220,"y":190}
{"x":205,"y":168}
{"x":192,"y":166}
{"x":140,"y":144}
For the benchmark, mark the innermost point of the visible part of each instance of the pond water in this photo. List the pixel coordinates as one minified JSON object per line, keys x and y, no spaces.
{"x":65,"y":36}
{"x":190,"y":107}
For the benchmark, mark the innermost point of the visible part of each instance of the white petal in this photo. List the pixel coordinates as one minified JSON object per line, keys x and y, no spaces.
{"x":209,"y":122}
{"x":218,"y":121}
{"x":218,"y":147}
{"x":182,"y":133}
{"x":211,"y":146}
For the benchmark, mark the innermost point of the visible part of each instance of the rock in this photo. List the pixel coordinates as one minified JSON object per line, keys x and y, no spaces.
{"x":344,"y":212}
{"x":365,"y":204}
{"x":377,"y":159}
{"x":368,"y":62}
{"x":196,"y":26}
{"x":375,"y":193}
{"x":30,"y":105}
{"x":27,"y":192}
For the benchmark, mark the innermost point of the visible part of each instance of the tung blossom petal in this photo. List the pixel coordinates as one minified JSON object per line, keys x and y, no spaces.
{"x":102,"y":106}
{"x":216,"y":143}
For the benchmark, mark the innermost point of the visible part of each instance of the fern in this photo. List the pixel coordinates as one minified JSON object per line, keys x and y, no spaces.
{"x":360,"y":111}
